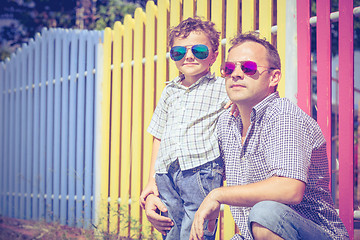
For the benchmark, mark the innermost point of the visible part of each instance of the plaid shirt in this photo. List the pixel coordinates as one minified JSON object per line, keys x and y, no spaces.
{"x":282,"y":140}
{"x":185,"y":120}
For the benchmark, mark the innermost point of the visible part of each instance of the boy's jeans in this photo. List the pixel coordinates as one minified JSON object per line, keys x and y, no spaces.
{"x":285,"y":222}
{"x":183,"y":191}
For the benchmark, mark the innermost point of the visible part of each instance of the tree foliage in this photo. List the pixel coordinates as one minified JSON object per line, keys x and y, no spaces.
{"x":110,"y":11}
{"x":335,"y":28}
{"x":22,"y":19}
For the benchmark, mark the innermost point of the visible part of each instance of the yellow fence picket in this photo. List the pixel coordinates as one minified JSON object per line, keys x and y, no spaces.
{"x":203,"y":9}
{"x":137,"y":121}
{"x":217,"y":17}
{"x":149,"y":96}
{"x":126,"y":124}
{"x":248,"y":15}
{"x":161,"y":47}
{"x":188,"y":9}
{"x":115,"y":126}
{"x":105,"y":131}
{"x":265,"y":18}
{"x":232,"y":23}
{"x":175,"y":17}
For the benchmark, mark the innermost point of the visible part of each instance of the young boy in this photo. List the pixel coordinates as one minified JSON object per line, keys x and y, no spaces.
{"x":186,"y":163}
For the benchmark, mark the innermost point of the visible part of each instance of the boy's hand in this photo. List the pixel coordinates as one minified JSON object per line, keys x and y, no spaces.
{"x":152,"y":208}
{"x":150,"y":188}
{"x":234,"y":110}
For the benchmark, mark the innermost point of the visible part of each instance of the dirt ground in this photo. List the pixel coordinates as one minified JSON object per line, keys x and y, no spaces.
{"x":11,"y":229}
{"x":18,"y":229}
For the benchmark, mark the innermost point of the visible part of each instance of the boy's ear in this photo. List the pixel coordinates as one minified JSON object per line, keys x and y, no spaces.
{"x":214,"y":56}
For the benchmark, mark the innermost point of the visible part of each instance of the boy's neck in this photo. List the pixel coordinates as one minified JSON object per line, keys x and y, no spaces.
{"x":187,"y":81}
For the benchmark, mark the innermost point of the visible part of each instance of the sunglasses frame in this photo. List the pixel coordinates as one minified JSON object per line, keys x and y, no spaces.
{"x":243,"y":68}
{"x":194,"y":52}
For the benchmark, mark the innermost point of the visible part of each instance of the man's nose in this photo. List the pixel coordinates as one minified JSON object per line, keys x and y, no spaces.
{"x":237,"y":74}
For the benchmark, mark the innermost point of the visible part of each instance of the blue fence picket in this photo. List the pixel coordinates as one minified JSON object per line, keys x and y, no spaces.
{"x":29,"y":146}
{"x":72,"y":127}
{"x":42,"y":129}
{"x":17,"y":112}
{"x":50,"y":128}
{"x":2,"y":137}
{"x":80,"y":130}
{"x":6,"y":142}
{"x":7,"y":103}
{"x":57,"y":108}
{"x":64,"y":126}
{"x":89,"y":126}
{"x":36,"y":90}
{"x":12,"y":136}
{"x":23,"y":131}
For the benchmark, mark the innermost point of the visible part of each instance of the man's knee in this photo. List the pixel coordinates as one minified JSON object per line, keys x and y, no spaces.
{"x":260,"y":232}
{"x":267,"y":210}
{"x":263,"y":219}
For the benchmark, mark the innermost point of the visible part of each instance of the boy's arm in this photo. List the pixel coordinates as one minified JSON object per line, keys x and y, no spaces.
{"x":151,"y":187}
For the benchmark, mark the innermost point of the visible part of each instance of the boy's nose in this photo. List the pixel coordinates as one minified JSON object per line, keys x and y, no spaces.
{"x":189,"y":54}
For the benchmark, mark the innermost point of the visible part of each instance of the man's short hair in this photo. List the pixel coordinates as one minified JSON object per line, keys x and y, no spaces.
{"x":272,"y":53}
{"x":196,"y":24}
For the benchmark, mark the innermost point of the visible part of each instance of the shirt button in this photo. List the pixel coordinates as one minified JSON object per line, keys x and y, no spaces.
{"x":243,"y":158}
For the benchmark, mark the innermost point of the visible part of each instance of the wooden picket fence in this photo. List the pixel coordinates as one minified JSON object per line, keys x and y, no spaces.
{"x":47,"y":128}
{"x":79,"y":152}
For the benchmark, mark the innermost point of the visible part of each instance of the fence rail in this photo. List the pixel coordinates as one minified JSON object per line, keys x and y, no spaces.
{"x":75,"y":106}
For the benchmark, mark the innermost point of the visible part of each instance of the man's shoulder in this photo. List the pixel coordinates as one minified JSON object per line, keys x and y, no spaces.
{"x":225,"y":119}
{"x":283,"y":106}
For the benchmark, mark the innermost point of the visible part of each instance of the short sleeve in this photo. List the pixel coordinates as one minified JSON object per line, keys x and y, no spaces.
{"x":288,"y":147}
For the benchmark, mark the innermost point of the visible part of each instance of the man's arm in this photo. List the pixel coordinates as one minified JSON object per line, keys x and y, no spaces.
{"x":279,"y":189}
{"x":151,"y":187}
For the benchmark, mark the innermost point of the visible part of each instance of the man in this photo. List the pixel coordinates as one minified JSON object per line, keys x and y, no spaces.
{"x":274,"y":153}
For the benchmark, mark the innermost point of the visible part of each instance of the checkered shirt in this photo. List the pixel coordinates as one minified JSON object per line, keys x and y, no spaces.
{"x":185,"y":120}
{"x":281,"y":141}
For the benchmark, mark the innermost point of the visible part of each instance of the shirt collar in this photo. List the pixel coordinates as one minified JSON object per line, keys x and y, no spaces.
{"x":259,"y":109}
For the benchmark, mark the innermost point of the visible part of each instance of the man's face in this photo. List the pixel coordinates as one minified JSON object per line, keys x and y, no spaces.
{"x":191,"y":66}
{"x":249,"y":90}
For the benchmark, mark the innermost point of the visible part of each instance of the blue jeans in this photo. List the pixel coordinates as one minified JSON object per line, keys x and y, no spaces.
{"x":182,"y":192}
{"x":285,"y":222}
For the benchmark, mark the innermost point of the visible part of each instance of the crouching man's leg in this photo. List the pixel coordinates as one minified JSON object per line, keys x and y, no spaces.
{"x":273,"y":220}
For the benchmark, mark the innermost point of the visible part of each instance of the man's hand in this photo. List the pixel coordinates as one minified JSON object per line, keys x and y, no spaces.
{"x":151,"y":188}
{"x":208,"y":210}
{"x":152,"y":206}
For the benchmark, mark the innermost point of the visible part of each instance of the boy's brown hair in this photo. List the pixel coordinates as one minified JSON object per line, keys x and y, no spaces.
{"x":196,"y":24}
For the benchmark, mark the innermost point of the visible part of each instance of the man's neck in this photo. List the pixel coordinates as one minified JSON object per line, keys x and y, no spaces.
{"x":245,"y":113}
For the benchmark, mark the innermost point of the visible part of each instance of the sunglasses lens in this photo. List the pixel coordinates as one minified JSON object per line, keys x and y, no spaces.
{"x":177,"y":53}
{"x":249,"y":67}
{"x":200,"y":51}
{"x":227,"y":68}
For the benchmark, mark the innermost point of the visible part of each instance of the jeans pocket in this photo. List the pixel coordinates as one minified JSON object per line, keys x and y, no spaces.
{"x":208,"y":179}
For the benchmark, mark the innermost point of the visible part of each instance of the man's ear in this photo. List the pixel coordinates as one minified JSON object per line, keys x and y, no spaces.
{"x":275,"y":77}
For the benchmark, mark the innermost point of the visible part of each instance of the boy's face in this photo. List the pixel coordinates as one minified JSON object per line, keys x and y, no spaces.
{"x":246,"y":89}
{"x":194,"y":68}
